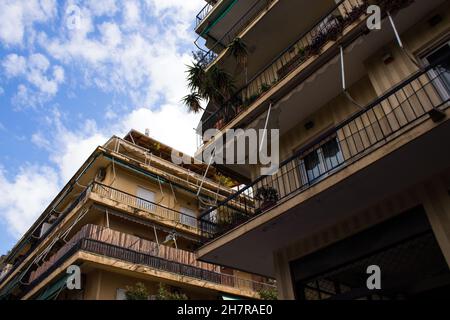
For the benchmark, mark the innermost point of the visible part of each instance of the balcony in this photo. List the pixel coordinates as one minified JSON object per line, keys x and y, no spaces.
{"x":113,"y":244}
{"x":295,"y":63}
{"x":160,"y":213}
{"x":231,"y":24}
{"x":205,"y":12}
{"x":422,"y":96}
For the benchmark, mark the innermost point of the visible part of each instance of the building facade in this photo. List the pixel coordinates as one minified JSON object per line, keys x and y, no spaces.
{"x":363,"y":119}
{"x":129,"y":216}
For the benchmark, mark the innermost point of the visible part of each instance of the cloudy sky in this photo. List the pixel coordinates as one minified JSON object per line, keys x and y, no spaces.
{"x":73,"y":73}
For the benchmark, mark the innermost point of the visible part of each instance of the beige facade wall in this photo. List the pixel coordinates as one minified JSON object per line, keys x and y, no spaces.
{"x":104,"y":285}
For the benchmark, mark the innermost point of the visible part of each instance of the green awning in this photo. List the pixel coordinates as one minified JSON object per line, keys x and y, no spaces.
{"x":54,"y":289}
{"x":220,"y":17}
{"x":9,"y":287}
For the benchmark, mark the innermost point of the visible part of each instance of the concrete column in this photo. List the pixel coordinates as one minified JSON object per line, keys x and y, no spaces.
{"x":436,"y":201}
{"x":283,"y":277}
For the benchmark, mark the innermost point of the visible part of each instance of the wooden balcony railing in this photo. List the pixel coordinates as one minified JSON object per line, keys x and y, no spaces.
{"x":114,"y":244}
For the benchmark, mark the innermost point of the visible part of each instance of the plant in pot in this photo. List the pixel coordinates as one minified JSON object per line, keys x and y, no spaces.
{"x":334,"y":28}
{"x":137,"y":292}
{"x":268,"y":197}
{"x":238,"y":49}
{"x":317,"y":43}
{"x":265,"y":87}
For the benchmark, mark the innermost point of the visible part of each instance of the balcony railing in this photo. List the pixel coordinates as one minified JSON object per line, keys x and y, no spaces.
{"x":161,"y":211}
{"x":114,"y":244}
{"x":204,"y":12}
{"x":209,"y":57}
{"x":372,"y":127}
{"x":36,"y":243}
{"x":327,"y":29}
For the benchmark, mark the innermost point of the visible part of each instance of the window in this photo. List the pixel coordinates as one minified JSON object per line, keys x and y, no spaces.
{"x":146,"y":198}
{"x":321,"y":161}
{"x":121,"y":294}
{"x":442,"y":71}
{"x":188,"y":217}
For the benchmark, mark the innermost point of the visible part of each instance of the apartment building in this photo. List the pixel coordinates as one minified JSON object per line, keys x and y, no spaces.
{"x":129,"y":215}
{"x":364,"y":126}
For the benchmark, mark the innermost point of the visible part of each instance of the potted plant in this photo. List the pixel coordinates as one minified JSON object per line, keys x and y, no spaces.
{"x":268,"y":197}
{"x":165,"y":294}
{"x":238,"y":50}
{"x":268,"y":294}
{"x":137,"y":292}
{"x":265,"y":87}
{"x":334,"y":28}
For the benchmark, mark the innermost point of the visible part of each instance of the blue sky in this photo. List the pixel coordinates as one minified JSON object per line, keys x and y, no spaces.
{"x":73,"y":73}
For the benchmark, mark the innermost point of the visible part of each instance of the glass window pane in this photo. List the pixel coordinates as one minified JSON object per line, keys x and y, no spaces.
{"x":312,"y":165}
{"x":332,"y":154}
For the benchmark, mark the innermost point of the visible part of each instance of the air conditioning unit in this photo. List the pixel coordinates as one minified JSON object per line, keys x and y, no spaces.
{"x":101,"y":175}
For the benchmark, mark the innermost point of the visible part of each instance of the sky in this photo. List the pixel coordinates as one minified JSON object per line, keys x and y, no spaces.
{"x":74,"y":73}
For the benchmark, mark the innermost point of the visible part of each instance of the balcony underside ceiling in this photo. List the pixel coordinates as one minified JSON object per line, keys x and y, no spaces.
{"x":265,"y":42}
{"x":403,"y":168}
{"x":301,"y":100}
{"x":224,"y":17}
{"x":280,"y":27}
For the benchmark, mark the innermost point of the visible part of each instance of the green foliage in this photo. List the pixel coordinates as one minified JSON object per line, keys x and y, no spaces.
{"x":239,"y":51}
{"x":137,"y":292}
{"x":267,"y":194}
{"x":165,"y":294}
{"x":268,"y":294}
{"x":192,"y":102}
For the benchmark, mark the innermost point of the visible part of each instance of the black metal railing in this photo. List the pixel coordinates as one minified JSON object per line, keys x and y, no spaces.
{"x":99,"y":240}
{"x":208,"y":57}
{"x":204,"y":12}
{"x":383,"y":119}
{"x":309,"y":44}
{"x":328,"y":27}
{"x":132,"y":256}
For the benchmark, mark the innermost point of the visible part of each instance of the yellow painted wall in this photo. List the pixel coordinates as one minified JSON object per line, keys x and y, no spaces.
{"x":103,"y":285}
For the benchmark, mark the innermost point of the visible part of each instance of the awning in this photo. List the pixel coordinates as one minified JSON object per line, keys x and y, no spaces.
{"x":53,"y":290}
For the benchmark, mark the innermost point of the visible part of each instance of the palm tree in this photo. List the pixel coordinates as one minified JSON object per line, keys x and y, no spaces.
{"x":239,"y":51}
{"x":192,"y":102}
{"x":219,"y":85}
{"x":196,"y":78}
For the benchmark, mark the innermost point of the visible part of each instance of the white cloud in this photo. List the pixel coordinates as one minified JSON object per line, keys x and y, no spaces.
{"x":170,"y":125}
{"x":14,"y":65}
{"x":143,"y":57}
{"x":25,"y":196}
{"x":103,"y":7}
{"x":132,"y":14}
{"x":35,"y":69}
{"x":16,"y":16}
{"x":140,"y":55}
